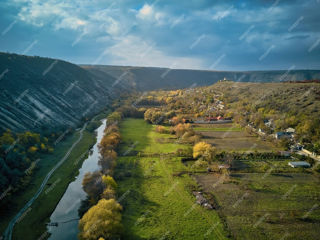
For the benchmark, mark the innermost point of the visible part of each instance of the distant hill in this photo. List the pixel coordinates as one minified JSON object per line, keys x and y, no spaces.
{"x":36,"y":91}
{"x":151,"y":78}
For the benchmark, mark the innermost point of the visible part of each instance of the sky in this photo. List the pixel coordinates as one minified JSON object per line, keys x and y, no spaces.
{"x":192,"y":34}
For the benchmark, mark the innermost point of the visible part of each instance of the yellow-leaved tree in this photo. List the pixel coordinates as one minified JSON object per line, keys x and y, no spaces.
{"x":101,"y":221}
{"x":203,"y":150}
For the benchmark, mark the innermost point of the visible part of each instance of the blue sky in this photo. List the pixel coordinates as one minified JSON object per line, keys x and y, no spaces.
{"x":196,"y":34}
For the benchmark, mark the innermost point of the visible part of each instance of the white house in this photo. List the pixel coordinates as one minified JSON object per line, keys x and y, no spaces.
{"x":299,"y":164}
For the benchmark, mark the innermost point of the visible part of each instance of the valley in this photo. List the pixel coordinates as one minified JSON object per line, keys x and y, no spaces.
{"x":209,"y":160}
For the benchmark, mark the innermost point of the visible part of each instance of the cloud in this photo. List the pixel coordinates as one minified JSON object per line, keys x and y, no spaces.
{"x":145,"y":12}
{"x":147,"y":54}
{"x":219,"y":15}
{"x":165,"y":30}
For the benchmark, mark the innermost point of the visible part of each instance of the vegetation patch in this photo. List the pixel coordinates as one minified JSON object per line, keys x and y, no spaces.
{"x":157,"y":204}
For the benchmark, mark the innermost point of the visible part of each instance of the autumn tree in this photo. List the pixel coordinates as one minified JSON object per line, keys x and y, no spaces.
{"x":203,"y":150}
{"x":92,"y":185}
{"x":108,"y":181}
{"x":181,"y":128}
{"x":102,"y":220}
{"x":107,"y":160}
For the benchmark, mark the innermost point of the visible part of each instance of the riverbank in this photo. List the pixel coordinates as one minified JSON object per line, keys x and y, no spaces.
{"x":39,"y":212}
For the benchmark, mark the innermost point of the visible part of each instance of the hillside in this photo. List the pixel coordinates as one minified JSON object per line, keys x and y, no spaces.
{"x":151,"y":78}
{"x":270,"y":107}
{"x":38,"y":91}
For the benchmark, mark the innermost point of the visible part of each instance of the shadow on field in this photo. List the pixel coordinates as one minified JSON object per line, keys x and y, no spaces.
{"x":129,"y":175}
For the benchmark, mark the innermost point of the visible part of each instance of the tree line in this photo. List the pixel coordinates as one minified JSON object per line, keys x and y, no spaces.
{"x":102,"y":220}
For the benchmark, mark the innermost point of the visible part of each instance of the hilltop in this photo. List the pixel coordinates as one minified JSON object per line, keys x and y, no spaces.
{"x":152,"y":78}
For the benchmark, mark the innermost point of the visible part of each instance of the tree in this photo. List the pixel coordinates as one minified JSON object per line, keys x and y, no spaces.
{"x":108,"y":181}
{"x":182,"y":128}
{"x":108,"y":193}
{"x":107,"y":160}
{"x":92,"y":184}
{"x":102,"y":220}
{"x":203,"y":150}
{"x":114,"y":117}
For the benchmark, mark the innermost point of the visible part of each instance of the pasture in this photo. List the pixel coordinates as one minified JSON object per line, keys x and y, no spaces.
{"x":157,"y":204}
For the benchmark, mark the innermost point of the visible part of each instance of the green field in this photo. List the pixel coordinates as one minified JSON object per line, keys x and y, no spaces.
{"x":157,"y":204}
{"x":276,"y":202}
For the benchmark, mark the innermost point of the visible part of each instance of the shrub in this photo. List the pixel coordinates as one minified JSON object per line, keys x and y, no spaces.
{"x":161,"y":129}
{"x":176,"y":120}
{"x":181,"y":129}
{"x":200,"y":164}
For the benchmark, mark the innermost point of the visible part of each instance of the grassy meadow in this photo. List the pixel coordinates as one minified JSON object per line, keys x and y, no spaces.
{"x":157,"y":204}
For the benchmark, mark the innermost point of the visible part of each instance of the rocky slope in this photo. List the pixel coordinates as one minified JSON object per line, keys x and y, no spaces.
{"x":37,"y":91}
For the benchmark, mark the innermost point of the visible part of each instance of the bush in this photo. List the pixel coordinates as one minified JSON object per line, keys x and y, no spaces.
{"x":161,"y":129}
{"x":184,"y":152}
{"x":181,"y":129}
{"x":200,"y":164}
{"x":154,"y":116}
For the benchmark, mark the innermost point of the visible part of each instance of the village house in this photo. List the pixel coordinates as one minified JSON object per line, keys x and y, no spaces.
{"x":299,"y":164}
{"x":296,"y":147}
{"x":290,"y":130}
{"x":282,"y":135}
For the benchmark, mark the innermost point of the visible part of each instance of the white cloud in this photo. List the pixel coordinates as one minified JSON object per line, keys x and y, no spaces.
{"x":149,"y":13}
{"x":219,"y":15}
{"x":145,"y":12}
{"x":132,"y":50}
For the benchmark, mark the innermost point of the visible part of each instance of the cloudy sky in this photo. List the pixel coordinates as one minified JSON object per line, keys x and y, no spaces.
{"x":197,"y":34}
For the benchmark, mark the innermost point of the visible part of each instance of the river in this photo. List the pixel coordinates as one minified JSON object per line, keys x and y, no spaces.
{"x":66,"y":212}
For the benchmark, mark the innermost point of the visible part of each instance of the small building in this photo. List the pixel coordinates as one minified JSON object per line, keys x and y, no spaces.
{"x":299,"y":164}
{"x":296,"y":147}
{"x":290,"y":130}
{"x":219,"y":118}
{"x":281,"y":135}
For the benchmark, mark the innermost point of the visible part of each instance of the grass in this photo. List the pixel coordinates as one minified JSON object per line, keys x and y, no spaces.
{"x":40,"y":211}
{"x":278,"y":204}
{"x":156,"y":204}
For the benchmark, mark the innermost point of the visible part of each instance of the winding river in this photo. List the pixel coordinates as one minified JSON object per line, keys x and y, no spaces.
{"x":66,"y":212}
